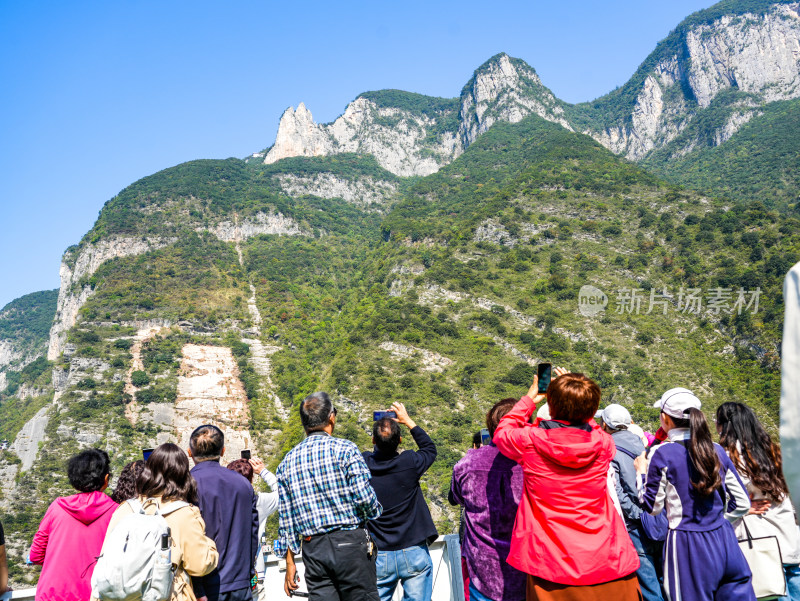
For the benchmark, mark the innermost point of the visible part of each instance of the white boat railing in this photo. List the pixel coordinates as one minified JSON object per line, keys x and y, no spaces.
{"x":448,"y":584}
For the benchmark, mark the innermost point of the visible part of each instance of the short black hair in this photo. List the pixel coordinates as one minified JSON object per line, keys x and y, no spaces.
{"x":477,"y":439}
{"x":315,"y":411}
{"x":386,"y":434}
{"x":88,"y":469}
{"x":206,"y":443}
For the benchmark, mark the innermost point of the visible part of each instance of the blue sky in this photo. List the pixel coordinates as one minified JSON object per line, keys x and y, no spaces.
{"x":96,"y":95}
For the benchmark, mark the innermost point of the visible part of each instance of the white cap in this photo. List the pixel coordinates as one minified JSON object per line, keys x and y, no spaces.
{"x":676,"y":402}
{"x":616,"y":417}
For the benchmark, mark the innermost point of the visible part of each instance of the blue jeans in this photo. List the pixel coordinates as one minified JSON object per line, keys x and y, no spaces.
{"x":412,"y":567}
{"x":649,"y":557}
{"x":792,"y":573}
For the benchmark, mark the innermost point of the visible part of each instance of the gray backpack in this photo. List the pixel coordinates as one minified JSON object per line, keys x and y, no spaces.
{"x":136,"y":563}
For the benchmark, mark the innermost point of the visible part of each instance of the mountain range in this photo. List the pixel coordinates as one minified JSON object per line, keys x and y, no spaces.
{"x":431,"y":251}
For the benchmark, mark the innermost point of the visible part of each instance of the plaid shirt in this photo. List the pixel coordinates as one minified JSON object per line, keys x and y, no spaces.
{"x":323,"y":485}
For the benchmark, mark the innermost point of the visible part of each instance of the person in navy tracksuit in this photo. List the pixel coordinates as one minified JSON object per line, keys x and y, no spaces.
{"x":695,"y":482}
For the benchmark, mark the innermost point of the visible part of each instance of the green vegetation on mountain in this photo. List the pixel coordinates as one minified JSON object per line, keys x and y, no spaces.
{"x":431,"y":106}
{"x":346,"y":165}
{"x":26,"y":321}
{"x":761,"y":162}
{"x":201,"y":194}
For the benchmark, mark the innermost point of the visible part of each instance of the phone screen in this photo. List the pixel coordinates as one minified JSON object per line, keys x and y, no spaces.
{"x":544,"y":372}
{"x":146,"y":453}
{"x":486,"y":439}
{"x":246,"y":454}
{"x":377,"y":415}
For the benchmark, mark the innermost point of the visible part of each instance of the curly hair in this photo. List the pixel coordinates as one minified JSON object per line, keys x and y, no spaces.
{"x":126,"y":483}
{"x":751,"y":449}
{"x":88,"y":469}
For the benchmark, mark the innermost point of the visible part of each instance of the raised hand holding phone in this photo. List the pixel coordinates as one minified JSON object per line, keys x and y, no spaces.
{"x":402,"y":415}
{"x":534,"y":392}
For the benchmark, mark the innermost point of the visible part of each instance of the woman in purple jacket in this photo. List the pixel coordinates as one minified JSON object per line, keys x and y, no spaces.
{"x":489,"y":486}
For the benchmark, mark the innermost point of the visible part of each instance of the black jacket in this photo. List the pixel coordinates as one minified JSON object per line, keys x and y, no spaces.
{"x":406,"y":520}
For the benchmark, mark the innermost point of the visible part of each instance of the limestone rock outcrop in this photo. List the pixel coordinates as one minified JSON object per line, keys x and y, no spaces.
{"x":504,"y":89}
{"x":756,"y":55}
{"x":260,"y":223}
{"x":362,"y":192}
{"x":403,"y":141}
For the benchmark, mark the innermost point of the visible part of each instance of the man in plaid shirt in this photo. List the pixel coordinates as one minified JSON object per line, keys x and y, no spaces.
{"x":324,"y":502}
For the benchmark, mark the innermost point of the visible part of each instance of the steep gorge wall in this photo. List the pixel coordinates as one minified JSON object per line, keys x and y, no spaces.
{"x":79,"y":265}
{"x":75,"y":289}
{"x":754,"y":54}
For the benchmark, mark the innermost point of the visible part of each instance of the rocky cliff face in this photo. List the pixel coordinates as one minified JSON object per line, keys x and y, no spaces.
{"x":8,"y":353}
{"x":504,"y":89}
{"x":757,"y":54}
{"x":260,"y":223}
{"x":362,"y":192}
{"x":79,"y":265}
{"x":403,"y":142}
{"x":754,"y":54}
{"x":409,"y":142}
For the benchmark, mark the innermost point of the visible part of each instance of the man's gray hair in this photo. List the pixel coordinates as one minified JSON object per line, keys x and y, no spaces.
{"x":315,"y":411}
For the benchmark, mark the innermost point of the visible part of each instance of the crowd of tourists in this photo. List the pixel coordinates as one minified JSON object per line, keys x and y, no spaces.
{"x":577,"y":503}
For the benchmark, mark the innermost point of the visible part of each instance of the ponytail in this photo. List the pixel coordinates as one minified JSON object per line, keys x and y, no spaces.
{"x":703,"y":454}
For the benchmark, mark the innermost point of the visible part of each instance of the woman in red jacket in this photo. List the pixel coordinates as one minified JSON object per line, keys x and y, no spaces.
{"x":568,"y":537}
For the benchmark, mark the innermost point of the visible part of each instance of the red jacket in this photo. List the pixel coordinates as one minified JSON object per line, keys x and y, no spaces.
{"x":67,"y":544}
{"x":567,"y":530}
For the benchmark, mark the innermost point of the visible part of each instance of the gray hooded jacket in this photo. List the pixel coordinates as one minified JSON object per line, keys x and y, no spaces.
{"x":625,"y":473}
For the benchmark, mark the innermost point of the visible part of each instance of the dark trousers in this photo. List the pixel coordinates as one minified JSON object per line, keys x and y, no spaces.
{"x":242,"y":594}
{"x":338,"y":568}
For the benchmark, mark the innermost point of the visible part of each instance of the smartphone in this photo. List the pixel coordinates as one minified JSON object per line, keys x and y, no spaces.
{"x":544,"y":371}
{"x":246,"y":454}
{"x":299,"y":594}
{"x":377,"y":415}
{"x":486,"y":440}
{"x":146,"y":454}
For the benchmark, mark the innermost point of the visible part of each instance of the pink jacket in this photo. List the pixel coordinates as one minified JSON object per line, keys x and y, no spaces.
{"x":68,"y":541}
{"x":567,"y":530}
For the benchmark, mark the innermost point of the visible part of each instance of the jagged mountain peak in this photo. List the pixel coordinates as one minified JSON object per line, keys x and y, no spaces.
{"x":415,"y":134}
{"x":504,"y":89}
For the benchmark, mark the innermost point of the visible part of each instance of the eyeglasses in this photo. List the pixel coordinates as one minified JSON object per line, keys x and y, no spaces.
{"x":334,"y":411}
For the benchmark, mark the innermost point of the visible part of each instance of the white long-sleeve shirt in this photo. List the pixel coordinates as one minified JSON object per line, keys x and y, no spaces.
{"x":267,"y":502}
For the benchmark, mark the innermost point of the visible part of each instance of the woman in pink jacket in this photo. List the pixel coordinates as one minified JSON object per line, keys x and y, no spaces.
{"x":567,"y":537}
{"x":72,"y":530}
